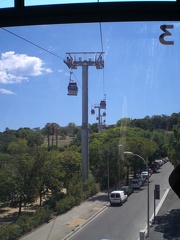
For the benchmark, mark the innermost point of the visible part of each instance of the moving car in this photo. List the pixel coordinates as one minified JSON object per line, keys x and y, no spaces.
{"x":118,"y":197}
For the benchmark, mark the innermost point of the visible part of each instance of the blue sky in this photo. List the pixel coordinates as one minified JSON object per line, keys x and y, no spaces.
{"x":140,"y":77}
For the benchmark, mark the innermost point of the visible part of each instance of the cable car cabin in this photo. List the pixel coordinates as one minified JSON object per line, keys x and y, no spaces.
{"x":92,"y":111}
{"x":103,"y":104}
{"x":72,"y":89}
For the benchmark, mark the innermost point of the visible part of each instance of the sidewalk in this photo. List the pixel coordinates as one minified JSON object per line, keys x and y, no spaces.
{"x":64,"y":225}
{"x":167,"y":224}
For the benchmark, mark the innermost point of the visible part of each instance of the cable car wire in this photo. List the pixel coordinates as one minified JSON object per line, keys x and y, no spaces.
{"x":44,"y":49}
{"x":101,"y":36}
{"x":81,"y":86}
{"x":24,"y":39}
{"x":102,"y":51}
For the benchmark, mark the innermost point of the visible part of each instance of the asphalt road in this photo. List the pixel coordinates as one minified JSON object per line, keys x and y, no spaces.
{"x":122,"y":223}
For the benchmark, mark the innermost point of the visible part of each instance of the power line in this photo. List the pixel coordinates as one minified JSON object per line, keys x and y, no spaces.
{"x":32,"y":43}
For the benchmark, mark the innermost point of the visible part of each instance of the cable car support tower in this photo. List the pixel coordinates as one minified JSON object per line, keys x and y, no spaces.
{"x":102,"y":105}
{"x":73,"y":61}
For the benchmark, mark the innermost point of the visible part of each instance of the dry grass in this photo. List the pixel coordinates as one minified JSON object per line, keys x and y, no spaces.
{"x":62,"y":141}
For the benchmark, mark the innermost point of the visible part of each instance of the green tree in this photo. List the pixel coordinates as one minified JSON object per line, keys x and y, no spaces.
{"x":52,"y":130}
{"x":174,"y":150}
{"x":23,"y":179}
{"x":123,"y":122}
{"x":93,"y":128}
{"x":5,"y":138}
{"x":6,"y":183}
{"x":18,"y":147}
{"x":70,"y":165}
{"x":34,"y":138}
{"x":17,"y":183}
{"x":47,"y":172}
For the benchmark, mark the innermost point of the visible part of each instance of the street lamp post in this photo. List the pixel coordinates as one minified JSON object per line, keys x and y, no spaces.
{"x":119,"y":166}
{"x":108,"y":175}
{"x":134,"y":154}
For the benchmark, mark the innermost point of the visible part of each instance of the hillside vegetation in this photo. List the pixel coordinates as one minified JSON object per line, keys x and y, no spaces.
{"x":41,"y":163}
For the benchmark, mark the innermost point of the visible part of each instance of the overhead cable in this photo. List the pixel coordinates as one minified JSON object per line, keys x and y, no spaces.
{"x":32,"y":43}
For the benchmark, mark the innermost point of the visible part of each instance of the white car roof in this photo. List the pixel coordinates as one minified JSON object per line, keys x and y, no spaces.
{"x":117,"y":191}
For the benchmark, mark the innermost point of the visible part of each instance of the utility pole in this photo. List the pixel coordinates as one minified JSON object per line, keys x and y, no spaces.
{"x":73,"y":60}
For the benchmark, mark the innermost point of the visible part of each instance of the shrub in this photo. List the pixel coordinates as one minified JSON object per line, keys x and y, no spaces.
{"x":51,"y":202}
{"x":10,"y":232}
{"x":24,"y":223}
{"x":65,"y":204}
{"x":41,"y":216}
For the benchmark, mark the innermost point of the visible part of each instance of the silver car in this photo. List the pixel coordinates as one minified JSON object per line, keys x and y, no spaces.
{"x":135,"y":184}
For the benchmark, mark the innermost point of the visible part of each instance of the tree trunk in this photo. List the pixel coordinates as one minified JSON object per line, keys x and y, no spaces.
{"x":52,"y":139}
{"x":127,"y":176}
{"x":20,"y":206}
{"x":40,"y":199}
{"x":48,"y":139}
{"x":56,"y":138}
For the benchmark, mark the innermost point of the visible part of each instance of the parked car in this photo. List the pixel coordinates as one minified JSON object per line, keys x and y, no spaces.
{"x":159,"y":162}
{"x":118,"y":197}
{"x":150,"y":171}
{"x":145,"y":174}
{"x":140,"y":178}
{"x":155,"y":166}
{"x":128,"y":190}
{"x":135,"y":184}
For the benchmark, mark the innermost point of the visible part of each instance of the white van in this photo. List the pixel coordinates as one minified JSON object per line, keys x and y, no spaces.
{"x":117,"y":197}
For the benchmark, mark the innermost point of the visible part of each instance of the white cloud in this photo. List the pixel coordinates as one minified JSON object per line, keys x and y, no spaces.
{"x":16,"y":68}
{"x":5,"y":91}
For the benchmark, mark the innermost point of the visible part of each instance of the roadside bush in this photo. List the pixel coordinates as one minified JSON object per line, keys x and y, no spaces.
{"x":95,"y":188}
{"x":40,"y":217}
{"x":51,"y":202}
{"x":83,"y":190}
{"x":24,"y":224}
{"x":75,"y":189}
{"x":65,"y":204}
{"x":90,"y":187}
{"x":10,"y":232}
